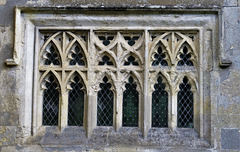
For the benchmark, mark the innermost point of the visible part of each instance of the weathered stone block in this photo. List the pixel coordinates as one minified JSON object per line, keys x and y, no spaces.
{"x":7,"y":135}
{"x":230,"y":138}
{"x":230,"y":3}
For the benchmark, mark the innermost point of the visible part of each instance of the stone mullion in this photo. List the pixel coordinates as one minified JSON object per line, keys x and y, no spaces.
{"x":92,"y":99}
{"x":173,"y":108}
{"x":119,"y":91}
{"x":146,"y":107}
{"x":63,"y":106}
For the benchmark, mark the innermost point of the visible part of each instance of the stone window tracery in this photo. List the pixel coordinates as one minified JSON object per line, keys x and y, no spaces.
{"x":103,"y":77}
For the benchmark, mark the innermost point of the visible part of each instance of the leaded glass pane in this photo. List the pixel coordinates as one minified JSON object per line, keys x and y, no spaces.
{"x":50,"y":102}
{"x":159,"y":105}
{"x":130,"y":104}
{"x":105,"y":104}
{"x":76,"y":103}
{"x":185,"y":105}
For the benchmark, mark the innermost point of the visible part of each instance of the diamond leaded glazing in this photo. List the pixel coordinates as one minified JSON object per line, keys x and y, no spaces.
{"x":50,"y":102}
{"x":105,"y":104}
{"x":130,"y":104}
{"x":159,"y":105}
{"x":185,"y":105}
{"x":76,"y":103}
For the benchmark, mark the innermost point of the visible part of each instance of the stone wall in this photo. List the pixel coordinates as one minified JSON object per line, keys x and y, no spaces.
{"x":225,"y":90}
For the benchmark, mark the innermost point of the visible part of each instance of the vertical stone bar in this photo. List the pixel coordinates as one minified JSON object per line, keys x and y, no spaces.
{"x":91,"y":109}
{"x":119,"y":91}
{"x":200,"y":83}
{"x":174,"y":110}
{"x":63,"y":117}
{"x":119,"y":98}
{"x":146,"y":100}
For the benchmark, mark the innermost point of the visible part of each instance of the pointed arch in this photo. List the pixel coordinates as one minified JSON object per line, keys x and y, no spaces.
{"x":78,"y":41}
{"x":185,"y":56}
{"x":185,"y":105}
{"x":111,"y":56}
{"x":159,"y":55}
{"x":105,"y":103}
{"x":132,"y":58}
{"x":159,"y":104}
{"x":51,"y":97}
{"x":55,"y":44}
{"x":81,"y":75}
{"x":76,"y":100}
{"x":130,"y":104}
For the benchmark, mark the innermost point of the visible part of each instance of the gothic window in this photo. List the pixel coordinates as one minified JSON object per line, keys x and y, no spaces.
{"x":76,"y":102}
{"x":62,"y":67}
{"x":114,"y":78}
{"x":185,"y":105}
{"x":159,"y":105}
{"x":130,"y":104}
{"x":50,"y":101}
{"x":105,"y":101}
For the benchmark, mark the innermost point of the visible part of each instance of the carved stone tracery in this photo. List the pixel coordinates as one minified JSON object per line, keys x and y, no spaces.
{"x":118,"y":56}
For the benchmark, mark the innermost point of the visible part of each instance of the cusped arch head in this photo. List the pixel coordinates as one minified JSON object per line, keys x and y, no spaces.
{"x":82,"y":77}
{"x":105,"y":54}
{"x":156,"y":54}
{"x":190,"y":80}
{"x":164,"y":81}
{"x":186,"y":55}
{"x":132,"y":58}
{"x":110,"y":78}
{"x":77,"y":41}
{"x":45,"y":78}
{"x":136,"y":79}
{"x":45,"y":49}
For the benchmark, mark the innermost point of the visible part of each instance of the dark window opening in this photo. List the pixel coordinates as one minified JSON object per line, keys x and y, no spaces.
{"x":185,"y":105}
{"x":50,"y":102}
{"x":76,"y":103}
{"x":159,"y":105}
{"x":131,"y":40}
{"x":185,"y":58}
{"x":159,"y":58}
{"x":105,"y":104}
{"x":52,"y":56}
{"x":105,"y":61}
{"x":106,"y":40}
{"x":77,"y":56}
{"x":131,"y":61}
{"x":130,"y":104}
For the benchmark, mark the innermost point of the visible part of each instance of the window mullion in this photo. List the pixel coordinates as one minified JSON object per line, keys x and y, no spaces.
{"x":92,"y":96}
{"x":63,"y":106}
{"x":146,"y":122}
{"x":173,"y":108}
